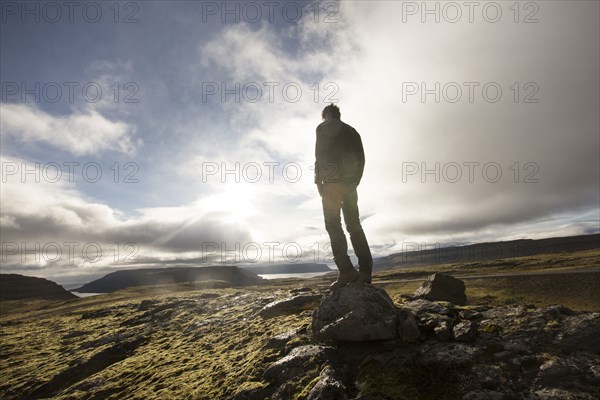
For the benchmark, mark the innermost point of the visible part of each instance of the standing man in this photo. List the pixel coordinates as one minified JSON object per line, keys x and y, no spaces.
{"x":340,"y":161}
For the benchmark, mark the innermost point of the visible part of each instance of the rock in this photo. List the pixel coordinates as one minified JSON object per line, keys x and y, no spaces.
{"x":408,"y":330}
{"x":299,"y":360}
{"x":281,"y":339}
{"x":576,"y":373}
{"x":465,"y":331}
{"x":442,"y":331}
{"x":483,"y":395}
{"x":580,"y":333}
{"x":356,"y":312}
{"x":443,"y":287}
{"x":146,"y":304}
{"x":286,"y":306}
{"x":96,"y":313}
{"x":328,"y":387}
{"x":300,"y":290}
{"x":428,"y":325}
{"x":420,"y":306}
{"x":470,"y":314}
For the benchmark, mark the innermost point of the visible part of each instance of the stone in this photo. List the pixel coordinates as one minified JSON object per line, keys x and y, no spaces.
{"x":428,"y":325}
{"x":442,"y":331}
{"x":408,"y":329}
{"x":420,"y":306}
{"x":300,"y":359}
{"x":470,"y":314}
{"x":280,"y":340}
{"x":328,"y":387}
{"x":443,"y":287}
{"x":580,"y":333}
{"x":465,"y":331}
{"x":288,"y":305}
{"x":355,"y":312}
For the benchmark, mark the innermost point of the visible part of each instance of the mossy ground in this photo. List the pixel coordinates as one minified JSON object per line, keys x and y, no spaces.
{"x":210,"y":343}
{"x":204,"y":348}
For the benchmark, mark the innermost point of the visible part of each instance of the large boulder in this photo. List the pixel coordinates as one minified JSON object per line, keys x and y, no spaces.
{"x":443,"y":287}
{"x":356,"y":312}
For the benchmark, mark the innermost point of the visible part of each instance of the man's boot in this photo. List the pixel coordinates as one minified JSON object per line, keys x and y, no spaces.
{"x":365,"y":272}
{"x":347,"y":275}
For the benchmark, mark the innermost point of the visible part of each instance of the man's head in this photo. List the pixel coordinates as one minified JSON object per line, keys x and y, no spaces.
{"x":331,"y":112}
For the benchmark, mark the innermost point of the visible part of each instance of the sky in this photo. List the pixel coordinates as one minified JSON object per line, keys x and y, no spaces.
{"x":163,"y":133}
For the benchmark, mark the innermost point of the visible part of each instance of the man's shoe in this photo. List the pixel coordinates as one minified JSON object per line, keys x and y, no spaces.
{"x":345,"y":278}
{"x":364,"y":277}
{"x":366,"y":271}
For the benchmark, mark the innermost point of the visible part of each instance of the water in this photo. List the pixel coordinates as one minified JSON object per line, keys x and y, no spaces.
{"x":302,"y":275}
{"x":85,"y":294}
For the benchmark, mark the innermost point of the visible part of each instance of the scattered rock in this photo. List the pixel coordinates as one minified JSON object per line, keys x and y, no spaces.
{"x":442,"y":331}
{"x":96,"y":313}
{"x":328,"y":387}
{"x":408,"y":329}
{"x":356,"y":312}
{"x":465,"y":331}
{"x":300,"y":290}
{"x":289,"y":305}
{"x":300,"y":359}
{"x":580,"y":333}
{"x":421,"y":305}
{"x":443,"y":287}
{"x":146,"y":304}
{"x":470,"y":314}
{"x":428,"y":325}
{"x":280,"y":340}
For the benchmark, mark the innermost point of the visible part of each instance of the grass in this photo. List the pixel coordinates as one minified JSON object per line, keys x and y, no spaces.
{"x":542,"y":280}
{"x":195,"y":343}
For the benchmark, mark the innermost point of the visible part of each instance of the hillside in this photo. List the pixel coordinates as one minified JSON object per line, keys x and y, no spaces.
{"x":19,"y":287}
{"x":176,"y":343}
{"x":212,"y":276}
{"x":435,"y":254}
{"x":287,"y":268}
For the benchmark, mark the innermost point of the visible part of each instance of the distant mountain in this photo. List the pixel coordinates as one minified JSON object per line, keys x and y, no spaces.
{"x":287,"y":268}
{"x":440,"y":254}
{"x":231,"y":275}
{"x":19,"y":287}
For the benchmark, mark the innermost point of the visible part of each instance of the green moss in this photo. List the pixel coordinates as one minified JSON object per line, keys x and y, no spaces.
{"x":488,"y":327}
{"x":418,"y":381}
{"x":306,"y":384}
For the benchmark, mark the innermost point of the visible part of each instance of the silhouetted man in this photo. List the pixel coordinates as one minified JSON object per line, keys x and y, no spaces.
{"x":340,"y":161}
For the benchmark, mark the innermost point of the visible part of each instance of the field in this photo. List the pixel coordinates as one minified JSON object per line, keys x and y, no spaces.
{"x":187,"y":342}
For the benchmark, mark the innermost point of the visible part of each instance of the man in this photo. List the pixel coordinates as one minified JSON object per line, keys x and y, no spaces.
{"x":340,"y":161}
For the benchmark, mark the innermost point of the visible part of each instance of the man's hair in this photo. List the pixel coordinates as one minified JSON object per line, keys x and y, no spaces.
{"x":332,"y":111}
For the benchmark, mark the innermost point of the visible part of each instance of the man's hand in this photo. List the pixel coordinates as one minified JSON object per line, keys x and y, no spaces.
{"x":320,"y":188}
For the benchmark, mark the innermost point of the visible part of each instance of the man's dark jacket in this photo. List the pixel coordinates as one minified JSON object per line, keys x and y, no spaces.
{"x":339,"y":153}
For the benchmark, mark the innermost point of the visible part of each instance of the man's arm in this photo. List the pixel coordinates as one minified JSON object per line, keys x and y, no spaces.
{"x":360,"y":158}
{"x":317,"y":151}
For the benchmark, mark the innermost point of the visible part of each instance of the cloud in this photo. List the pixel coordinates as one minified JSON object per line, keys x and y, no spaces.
{"x":43,"y":215}
{"x":553,"y":141}
{"x":80,"y":133}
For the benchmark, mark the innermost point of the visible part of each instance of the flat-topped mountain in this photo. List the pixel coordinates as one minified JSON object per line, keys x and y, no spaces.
{"x":421,"y":254}
{"x":230,"y":275}
{"x":287,"y":268}
{"x":18,"y":287}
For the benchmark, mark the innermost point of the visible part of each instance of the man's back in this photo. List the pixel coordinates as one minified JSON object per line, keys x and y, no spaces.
{"x":339,"y":153}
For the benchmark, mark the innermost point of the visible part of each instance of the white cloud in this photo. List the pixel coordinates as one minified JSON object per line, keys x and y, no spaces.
{"x":80,"y":133}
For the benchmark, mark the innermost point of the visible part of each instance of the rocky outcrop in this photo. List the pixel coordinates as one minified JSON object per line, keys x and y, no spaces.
{"x":443,"y":287}
{"x":356,"y":312}
{"x":19,"y":287}
{"x":457,"y":351}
